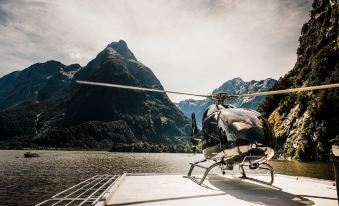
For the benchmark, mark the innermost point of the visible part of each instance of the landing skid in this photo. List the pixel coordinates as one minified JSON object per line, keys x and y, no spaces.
{"x":224,"y":165}
{"x":253,"y":166}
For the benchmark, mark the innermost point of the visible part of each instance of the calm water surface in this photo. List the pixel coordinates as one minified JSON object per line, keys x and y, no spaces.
{"x":27,"y":181}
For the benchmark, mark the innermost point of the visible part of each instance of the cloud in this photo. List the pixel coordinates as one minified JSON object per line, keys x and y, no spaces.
{"x":191,"y":46}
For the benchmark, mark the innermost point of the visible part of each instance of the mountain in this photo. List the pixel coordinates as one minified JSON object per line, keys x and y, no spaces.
{"x":304,"y":123}
{"x":234,"y":86}
{"x":38,"y":82}
{"x":92,"y":117}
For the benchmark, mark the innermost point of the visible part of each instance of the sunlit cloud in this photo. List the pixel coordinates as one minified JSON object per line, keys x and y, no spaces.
{"x":191,"y":46}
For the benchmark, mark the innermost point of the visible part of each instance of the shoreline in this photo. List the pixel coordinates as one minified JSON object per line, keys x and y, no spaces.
{"x":136,"y":152}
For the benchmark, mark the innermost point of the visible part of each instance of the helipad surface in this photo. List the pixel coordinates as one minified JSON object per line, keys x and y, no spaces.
{"x":168,"y":190}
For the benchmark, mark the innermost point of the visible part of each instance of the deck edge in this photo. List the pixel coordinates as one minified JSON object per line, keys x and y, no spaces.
{"x":111,"y":191}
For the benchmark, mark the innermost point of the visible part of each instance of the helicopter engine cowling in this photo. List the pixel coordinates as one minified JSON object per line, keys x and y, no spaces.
{"x":237,"y":133}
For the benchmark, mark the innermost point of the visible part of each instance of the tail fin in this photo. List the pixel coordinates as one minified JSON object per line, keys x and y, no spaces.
{"x":194,"y":134}
{"x":195,"y":129}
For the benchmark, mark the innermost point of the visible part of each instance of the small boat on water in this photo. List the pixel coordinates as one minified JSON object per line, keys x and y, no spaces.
{"x":31,"y":154}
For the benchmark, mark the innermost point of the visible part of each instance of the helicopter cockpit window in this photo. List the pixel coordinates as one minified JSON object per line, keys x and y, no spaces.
{"x":241,"y":125}
{"x":211,"y":126}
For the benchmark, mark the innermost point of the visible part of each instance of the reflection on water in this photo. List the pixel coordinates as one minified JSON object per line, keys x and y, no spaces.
{"x":307,"y":169}
{"x":29,"y":181}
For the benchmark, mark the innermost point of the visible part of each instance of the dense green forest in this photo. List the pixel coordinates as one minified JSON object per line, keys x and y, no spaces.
{"x":154,"y":148}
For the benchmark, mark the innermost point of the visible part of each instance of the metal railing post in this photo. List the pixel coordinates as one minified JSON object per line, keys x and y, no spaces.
{"x":335,"y":162}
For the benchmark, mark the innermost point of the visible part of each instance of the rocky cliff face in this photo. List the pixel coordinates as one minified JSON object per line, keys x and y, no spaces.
{"x":93,"y":117}
{"x":305,"y":122}
{"x":234,"y":86}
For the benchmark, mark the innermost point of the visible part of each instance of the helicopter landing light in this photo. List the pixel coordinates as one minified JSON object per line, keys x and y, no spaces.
{"x":253,"y":146}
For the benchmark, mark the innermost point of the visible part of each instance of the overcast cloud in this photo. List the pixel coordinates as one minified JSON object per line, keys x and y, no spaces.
{"x":191,"y":46}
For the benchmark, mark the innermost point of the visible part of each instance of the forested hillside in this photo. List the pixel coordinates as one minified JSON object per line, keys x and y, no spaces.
{"x":304,"y":123}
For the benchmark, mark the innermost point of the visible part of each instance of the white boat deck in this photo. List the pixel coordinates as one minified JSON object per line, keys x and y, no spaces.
{"x":174,"y":189}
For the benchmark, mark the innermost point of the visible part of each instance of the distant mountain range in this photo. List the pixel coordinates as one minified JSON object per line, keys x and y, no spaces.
{"x":43,"y":106}
{"x":234,"y":86}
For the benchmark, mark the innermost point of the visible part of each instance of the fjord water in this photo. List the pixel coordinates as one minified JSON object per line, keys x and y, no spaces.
{"x":27,"y":181}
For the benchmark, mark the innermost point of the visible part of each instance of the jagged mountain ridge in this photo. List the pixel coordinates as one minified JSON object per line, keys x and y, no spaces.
{"x":96,"y":117}
{"x":304,"y":123}
{"x":38,"y":82}
{"x":149,"y":113}
{"x":234,"y":86}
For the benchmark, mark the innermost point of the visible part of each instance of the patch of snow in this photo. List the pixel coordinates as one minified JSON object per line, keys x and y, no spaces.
{"x":137,"y":62}
{"x":164,"y":120}
{"x":248,"y":99}
{"x":192,"y":104}
{"x":111,"y":51}
{"x":69,"y":74}
{"x":37,"y":117}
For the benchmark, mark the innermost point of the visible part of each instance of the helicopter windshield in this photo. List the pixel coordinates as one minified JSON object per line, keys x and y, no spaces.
{"x":241,"y":124}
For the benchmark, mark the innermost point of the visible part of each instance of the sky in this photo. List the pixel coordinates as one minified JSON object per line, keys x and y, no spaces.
{"x":191,"y":45}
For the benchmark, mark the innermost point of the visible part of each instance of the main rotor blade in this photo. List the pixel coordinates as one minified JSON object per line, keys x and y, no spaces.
{"x":285,"y":91}
{"x":137,"y":88}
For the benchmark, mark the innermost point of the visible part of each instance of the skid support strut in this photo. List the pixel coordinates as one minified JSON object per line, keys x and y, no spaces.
{"x":222,"y":164}
{"x":253,"y":166}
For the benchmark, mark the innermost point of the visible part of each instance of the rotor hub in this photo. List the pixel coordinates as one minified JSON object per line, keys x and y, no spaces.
{"x":220,"y":96}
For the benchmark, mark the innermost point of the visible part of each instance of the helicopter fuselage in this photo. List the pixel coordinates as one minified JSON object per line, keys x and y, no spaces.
{"x":235,"y":134}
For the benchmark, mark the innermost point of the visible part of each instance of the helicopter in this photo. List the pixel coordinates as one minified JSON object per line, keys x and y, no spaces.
{"x":229,"y":135}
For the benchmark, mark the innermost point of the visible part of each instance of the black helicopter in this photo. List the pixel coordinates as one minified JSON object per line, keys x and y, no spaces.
{"x":230,"y":136}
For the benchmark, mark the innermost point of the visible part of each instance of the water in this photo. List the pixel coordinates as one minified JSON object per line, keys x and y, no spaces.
{"x":27,"y":181}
